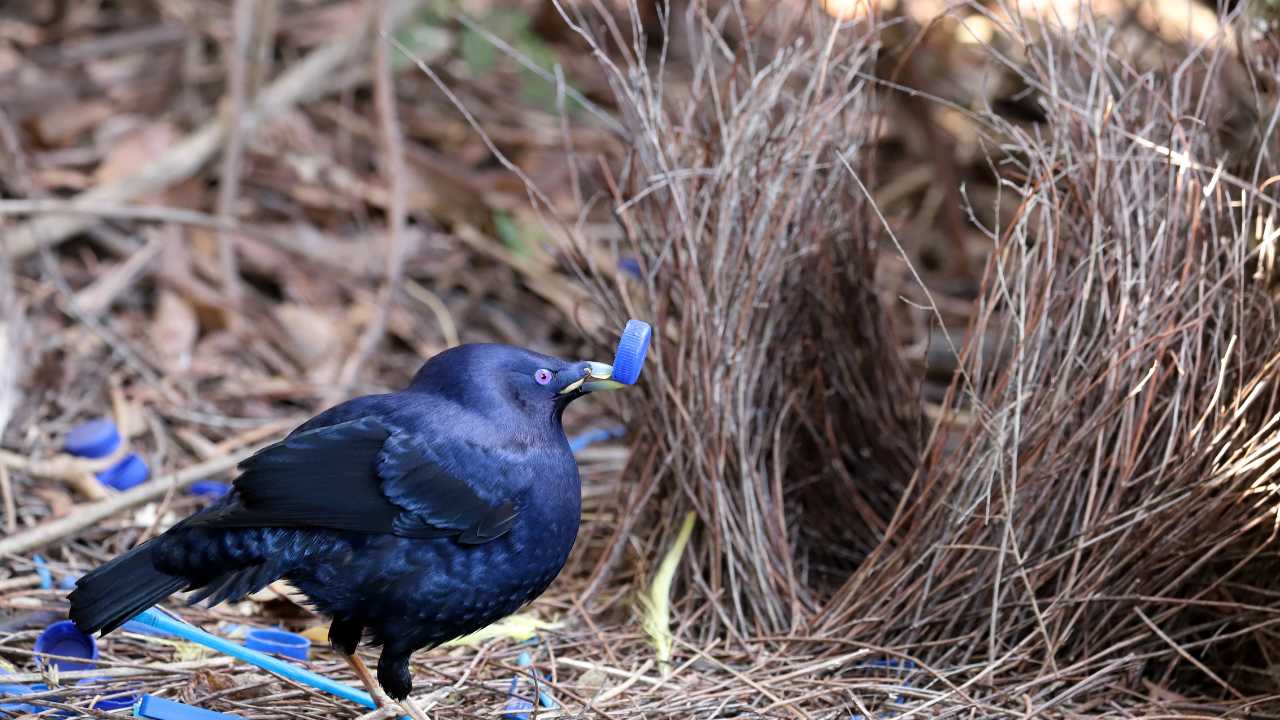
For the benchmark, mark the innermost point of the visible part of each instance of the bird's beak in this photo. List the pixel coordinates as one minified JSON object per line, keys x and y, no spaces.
{"x":598,"y":377}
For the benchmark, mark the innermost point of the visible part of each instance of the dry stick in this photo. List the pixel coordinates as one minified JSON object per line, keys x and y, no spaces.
{"x":229,"y":183}
{"x":124,"y":672}
{"x":6,"y":498}
{"x":97,"y":297}
{"x":309,"y":78}
{"x":94,"y":211}
{"x":87,"y":515}
{"x":393,"y":168}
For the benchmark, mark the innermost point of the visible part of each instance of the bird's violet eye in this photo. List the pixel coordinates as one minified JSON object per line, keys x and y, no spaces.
{"x":543,"y":376}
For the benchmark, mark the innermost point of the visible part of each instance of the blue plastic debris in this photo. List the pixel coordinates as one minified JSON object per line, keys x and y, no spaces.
{"x":42,"y":571}
{"x":157,"y":708}
{"x":278,"y":642}
{"x":591,"y":437}
{"x":517,"y":707}
{"x":130,"y":471}
{"x":894,"y":665}
{"x":16,"y":690}
{"x":633,"y":346}
{"x":630,"y":265}
{"x":112,"y":698}
{"x":64,"y":639}
{"x":98,"y":438}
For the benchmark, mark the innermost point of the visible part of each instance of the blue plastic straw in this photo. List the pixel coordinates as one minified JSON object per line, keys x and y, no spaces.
{"x":156,"y":619}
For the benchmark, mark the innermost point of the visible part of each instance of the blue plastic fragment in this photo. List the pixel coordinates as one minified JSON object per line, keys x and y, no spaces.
{"x":97,"y":438}
{"x":591,"y":437}
{"x":903,"y":665}
{"x":130,"y":471}
{"x":42,"y":570}
{"x":16,"y":690}
{"x":209,"y":488}
{"x":112,"y":698}
{"x":278,"y":642}
{"x":157,"y":708}
{"x":108,"y":704}
{"x":517,"y":707}
{"x":633,"y":346}
{"x":65,"y":639}
{"x":630,"y":265}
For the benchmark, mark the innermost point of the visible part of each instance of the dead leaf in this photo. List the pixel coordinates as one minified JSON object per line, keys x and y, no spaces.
{"x":135,"y":150}
{"x":64,"y":124}
{"x":313,"y":337}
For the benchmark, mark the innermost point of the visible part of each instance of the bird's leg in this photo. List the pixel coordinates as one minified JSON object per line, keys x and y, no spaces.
{"x":394,"y":676}
{"x":361,"y":670}
{"x":344,"y":636}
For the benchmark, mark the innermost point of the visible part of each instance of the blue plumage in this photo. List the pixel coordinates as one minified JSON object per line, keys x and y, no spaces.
{"x":411,"y":517}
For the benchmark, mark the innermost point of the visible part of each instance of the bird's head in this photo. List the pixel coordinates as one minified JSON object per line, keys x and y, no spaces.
{"x":514,"y":378}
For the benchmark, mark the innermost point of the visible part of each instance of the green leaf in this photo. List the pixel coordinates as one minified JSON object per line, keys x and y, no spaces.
{"x":477,"y":52}
{"x":424,"y":38}
{"x":510,"y":233}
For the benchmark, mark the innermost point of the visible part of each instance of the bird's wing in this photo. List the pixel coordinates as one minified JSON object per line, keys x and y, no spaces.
{"x":360,"y":476}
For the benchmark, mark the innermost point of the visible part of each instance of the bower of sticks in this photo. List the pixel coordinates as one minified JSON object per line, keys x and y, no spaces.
{"x":964,"y":396}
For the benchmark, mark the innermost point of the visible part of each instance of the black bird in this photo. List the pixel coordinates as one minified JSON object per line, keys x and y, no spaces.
{"x":414,"y":516}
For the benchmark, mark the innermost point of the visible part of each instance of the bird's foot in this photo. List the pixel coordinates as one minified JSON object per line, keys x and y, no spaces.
{"x":380,"y":697}
{"x":412,"y":710}
{"x":383,"y":713}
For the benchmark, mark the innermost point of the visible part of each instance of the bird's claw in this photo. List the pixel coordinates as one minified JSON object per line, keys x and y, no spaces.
{"x":384,"y":712}
{"x":412,"y":709}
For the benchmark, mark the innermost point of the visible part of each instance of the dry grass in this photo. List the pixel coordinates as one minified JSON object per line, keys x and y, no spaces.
{"x":754,"y":254}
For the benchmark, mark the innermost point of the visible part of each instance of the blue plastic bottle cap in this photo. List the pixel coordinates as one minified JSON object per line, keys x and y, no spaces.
{"x":209,"y":488}
{"x":94,"y":439}
{"x":628,"y":360}
{"x":65,"y":639}
{"x":278,"y":642}
{"x":160,"y":709}
{"x":130,"y":471}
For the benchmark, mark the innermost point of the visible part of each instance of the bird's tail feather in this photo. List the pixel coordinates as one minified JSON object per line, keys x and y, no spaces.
{"x":114,"y":593}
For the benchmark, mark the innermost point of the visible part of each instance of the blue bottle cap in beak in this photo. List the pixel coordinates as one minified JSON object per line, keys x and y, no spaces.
{"x":633,"y":346}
